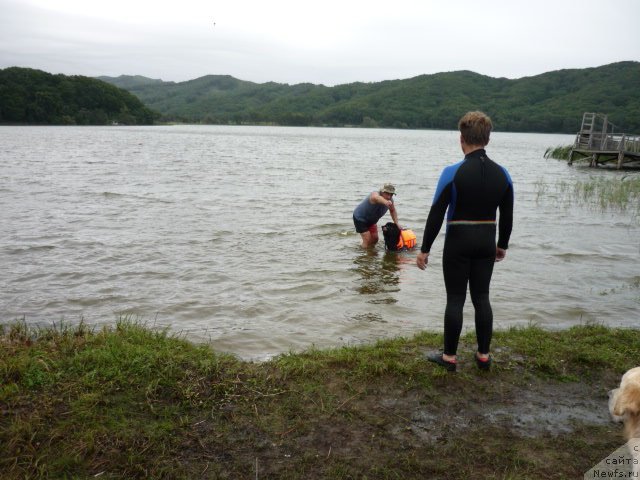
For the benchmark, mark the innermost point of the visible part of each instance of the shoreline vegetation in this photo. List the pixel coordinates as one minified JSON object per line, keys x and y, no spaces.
{"x":552,"y":102}
{"x":560,"y":152}
{"x":129,"y":401}
{"x":34,"y":97}
{"x":620,"y":191}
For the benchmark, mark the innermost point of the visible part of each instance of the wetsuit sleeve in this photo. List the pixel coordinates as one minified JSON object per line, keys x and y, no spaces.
{"x":505,"y":222}
{"x":437,"y":212}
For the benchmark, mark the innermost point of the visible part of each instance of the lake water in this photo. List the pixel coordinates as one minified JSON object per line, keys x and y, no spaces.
{"x":242,"y":236}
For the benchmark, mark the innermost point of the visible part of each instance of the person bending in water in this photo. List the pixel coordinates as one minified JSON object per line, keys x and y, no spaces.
{"x":471,"y":190}
{"x":370,"y":210}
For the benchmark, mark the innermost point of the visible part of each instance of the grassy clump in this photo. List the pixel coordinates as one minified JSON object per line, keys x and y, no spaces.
{"x":617,"y":193}
{"x":131,"y":402}
{"x":621,"y":193}
{"x":560,"y":153}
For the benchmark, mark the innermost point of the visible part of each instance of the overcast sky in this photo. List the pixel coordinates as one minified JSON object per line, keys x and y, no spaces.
{"x":326,"y":42}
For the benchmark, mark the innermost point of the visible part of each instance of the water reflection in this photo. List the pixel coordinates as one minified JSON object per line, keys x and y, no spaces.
{"x":379,"y":274}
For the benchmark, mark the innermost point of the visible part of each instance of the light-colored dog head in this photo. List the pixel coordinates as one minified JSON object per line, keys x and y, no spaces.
{"x":624,"y":403}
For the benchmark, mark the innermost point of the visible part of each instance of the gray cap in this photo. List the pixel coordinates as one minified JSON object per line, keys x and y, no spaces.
{"x":389,"y":188}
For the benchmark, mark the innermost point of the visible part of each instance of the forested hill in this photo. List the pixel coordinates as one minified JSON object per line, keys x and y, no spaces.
{"x":550,"y":102}
{"x":30,"y":96}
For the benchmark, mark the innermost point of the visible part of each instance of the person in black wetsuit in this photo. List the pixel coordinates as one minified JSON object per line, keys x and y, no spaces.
{"x":469,"y":192}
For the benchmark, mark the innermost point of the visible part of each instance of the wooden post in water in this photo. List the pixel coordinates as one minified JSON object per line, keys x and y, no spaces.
{"x":603,"y":139}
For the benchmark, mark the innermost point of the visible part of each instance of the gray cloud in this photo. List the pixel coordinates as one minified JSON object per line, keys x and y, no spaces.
{"x":338,"y":42}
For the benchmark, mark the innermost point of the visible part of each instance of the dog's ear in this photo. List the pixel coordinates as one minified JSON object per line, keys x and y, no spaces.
{"x":627,"y":400}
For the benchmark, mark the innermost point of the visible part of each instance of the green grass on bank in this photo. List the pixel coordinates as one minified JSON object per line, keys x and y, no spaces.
{"x":132,"y":402}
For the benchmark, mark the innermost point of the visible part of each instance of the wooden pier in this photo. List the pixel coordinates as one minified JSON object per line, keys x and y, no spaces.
{"x":598,"y":142}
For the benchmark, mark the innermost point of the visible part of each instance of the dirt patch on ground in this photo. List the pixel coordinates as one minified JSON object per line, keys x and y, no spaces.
{"x":530,"y":407}
{"x":469,"y":424}
{"x":529,"y":411}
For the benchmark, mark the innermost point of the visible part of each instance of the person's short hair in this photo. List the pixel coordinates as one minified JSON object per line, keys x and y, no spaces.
{"x":475,"y":128}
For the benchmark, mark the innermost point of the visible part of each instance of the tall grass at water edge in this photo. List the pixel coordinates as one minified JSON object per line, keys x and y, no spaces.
{"x":621,"y":193}
{"x":559,"y":153}
{"x":609,"y":190}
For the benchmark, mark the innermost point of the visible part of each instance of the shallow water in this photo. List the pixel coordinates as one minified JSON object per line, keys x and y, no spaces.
{"x":242,"y":236}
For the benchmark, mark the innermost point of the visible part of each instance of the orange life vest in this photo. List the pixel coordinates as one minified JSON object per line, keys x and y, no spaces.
{"x":407,"y":240}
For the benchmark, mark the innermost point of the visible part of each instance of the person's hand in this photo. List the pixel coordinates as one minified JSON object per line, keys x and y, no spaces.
{"x":421,"y":260}
{"x":500,"y":254}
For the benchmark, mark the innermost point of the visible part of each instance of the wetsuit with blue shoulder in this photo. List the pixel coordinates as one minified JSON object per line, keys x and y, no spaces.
{"x":470,"y":193}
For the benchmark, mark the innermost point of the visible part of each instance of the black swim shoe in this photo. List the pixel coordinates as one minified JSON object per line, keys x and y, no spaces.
{"x":484,"y":364}
{"x":437,"y":358}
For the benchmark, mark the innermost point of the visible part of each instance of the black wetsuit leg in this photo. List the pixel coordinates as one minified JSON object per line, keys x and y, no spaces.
{"x":468,"y":259}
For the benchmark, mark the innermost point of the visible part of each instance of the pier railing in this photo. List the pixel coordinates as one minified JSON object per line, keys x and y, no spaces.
{"x":608,"y":142}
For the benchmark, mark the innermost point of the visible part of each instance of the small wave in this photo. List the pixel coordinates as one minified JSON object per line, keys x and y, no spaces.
{"x":383,"y":301}
{"x":331,"y":230}
{"x":69,"y":276}
{"x":368,"y":318}
{"x":30,"y":277}
{"x":287,"y":291}
{"x":134,"y":197}
{"x":338,"y":233}
{"x":221,"y":236}
{"x":86,"y":302}
{"x":28,"y":249}
{"x":572,"y":256}
{"x":112,"y":195}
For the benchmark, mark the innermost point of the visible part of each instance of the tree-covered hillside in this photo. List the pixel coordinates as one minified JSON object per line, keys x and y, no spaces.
{"x":30,"y":96}
{"x":551,"y":102}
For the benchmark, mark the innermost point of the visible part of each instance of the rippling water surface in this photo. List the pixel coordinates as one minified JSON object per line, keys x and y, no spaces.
{"x":242,"y":236}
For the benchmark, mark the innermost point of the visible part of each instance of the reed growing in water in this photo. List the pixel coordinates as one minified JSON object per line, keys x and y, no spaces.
{"x":621,"y":193}
{"x":559,"y":153}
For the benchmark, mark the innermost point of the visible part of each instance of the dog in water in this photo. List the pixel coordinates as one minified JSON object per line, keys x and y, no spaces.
{"x":396,"y":240}
{"x":624,"y":406}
